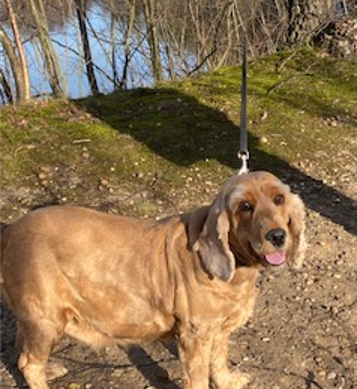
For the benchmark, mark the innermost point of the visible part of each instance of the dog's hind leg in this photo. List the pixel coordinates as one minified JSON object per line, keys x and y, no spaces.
{"x":36,"y":339}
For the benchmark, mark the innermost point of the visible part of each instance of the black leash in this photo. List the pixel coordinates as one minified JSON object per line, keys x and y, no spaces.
{"x":243,"y":153}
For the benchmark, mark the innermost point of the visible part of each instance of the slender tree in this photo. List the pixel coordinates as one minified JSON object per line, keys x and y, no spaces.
{"x":128,"y":36}
{"x":49,"y":54}
{"x":25,"y":88}
{"x":151,"y":18}
{"x":81,"y":15}
{"x":15,"y":65}
{"x":113,"y":23}
{"x":6,"y":87}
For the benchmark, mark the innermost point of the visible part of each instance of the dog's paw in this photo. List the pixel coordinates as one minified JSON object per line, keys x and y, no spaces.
{"x":239,"y":380}
{"x":236,"y":380}
{"x":55,"y":370}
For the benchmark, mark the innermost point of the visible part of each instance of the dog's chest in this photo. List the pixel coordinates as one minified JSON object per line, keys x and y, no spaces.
{"x":238,"y":298}
{"x":219,"y":303}
{"x":243,"y":304}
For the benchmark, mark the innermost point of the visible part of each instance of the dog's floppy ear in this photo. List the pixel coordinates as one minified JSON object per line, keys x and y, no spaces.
{"x":212,"y":244}
{"x":297,"y":230}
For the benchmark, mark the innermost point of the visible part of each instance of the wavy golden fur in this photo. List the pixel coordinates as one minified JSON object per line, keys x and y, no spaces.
{"x":102,"y":279}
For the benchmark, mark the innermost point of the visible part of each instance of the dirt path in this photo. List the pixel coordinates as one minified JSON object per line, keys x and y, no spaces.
{"x":303,"y":333}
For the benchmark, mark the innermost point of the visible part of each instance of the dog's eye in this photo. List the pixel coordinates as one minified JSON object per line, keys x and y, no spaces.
{"x":245,"y":206}
{"x":279,"y":199}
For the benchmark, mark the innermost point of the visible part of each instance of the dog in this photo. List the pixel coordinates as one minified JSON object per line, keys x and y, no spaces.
{"x":103,"y":279}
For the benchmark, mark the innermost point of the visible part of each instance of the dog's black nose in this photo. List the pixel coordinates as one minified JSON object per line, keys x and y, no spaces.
{"x":276,"y":236}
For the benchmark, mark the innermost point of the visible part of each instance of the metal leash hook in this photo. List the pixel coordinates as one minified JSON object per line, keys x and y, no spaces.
{"x":243,"y":155}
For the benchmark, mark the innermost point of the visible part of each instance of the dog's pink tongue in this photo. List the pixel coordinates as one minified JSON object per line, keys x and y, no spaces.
{"x":276,"y":258}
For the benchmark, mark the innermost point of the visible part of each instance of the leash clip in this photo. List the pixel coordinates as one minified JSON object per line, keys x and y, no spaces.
{"x":243,"y":155}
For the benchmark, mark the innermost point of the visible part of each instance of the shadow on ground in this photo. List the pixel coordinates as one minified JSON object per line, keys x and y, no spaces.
{"x":149,"y":368}
{"x":8,"y":350}
{"x":155,"y":375}
{"x":179,"y":128}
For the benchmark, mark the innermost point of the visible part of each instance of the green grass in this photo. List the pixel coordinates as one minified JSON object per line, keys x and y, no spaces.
{"x":300,"y":103}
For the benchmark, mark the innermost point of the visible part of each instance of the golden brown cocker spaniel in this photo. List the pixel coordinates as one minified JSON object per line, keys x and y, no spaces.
{"x":103,"y":279}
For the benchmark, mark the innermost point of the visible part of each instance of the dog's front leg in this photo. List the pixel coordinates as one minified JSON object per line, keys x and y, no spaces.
{"x":219,"y":372}
{"x":194,"y":351}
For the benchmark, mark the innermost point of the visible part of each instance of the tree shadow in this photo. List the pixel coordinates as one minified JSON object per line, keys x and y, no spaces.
{"x":180,"y":129}
{"x":151,"y":370}
{"x":9,"y":353}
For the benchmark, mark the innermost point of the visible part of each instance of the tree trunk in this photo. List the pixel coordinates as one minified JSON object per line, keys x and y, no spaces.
{"x":306,"y":17}
{"x":151,"y":19}
{"x":228,"y":47}
{"x":25,"y":89}
{"x":7,"y":88}
{"x":113,"y":45}
{"x":15,"y":65}
{"x":49,"y":54}
{"x":80,"y":8}
{"x":128,"y":36}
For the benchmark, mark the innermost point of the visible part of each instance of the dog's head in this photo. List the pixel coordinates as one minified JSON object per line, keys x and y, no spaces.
{"x":255,"y":220}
